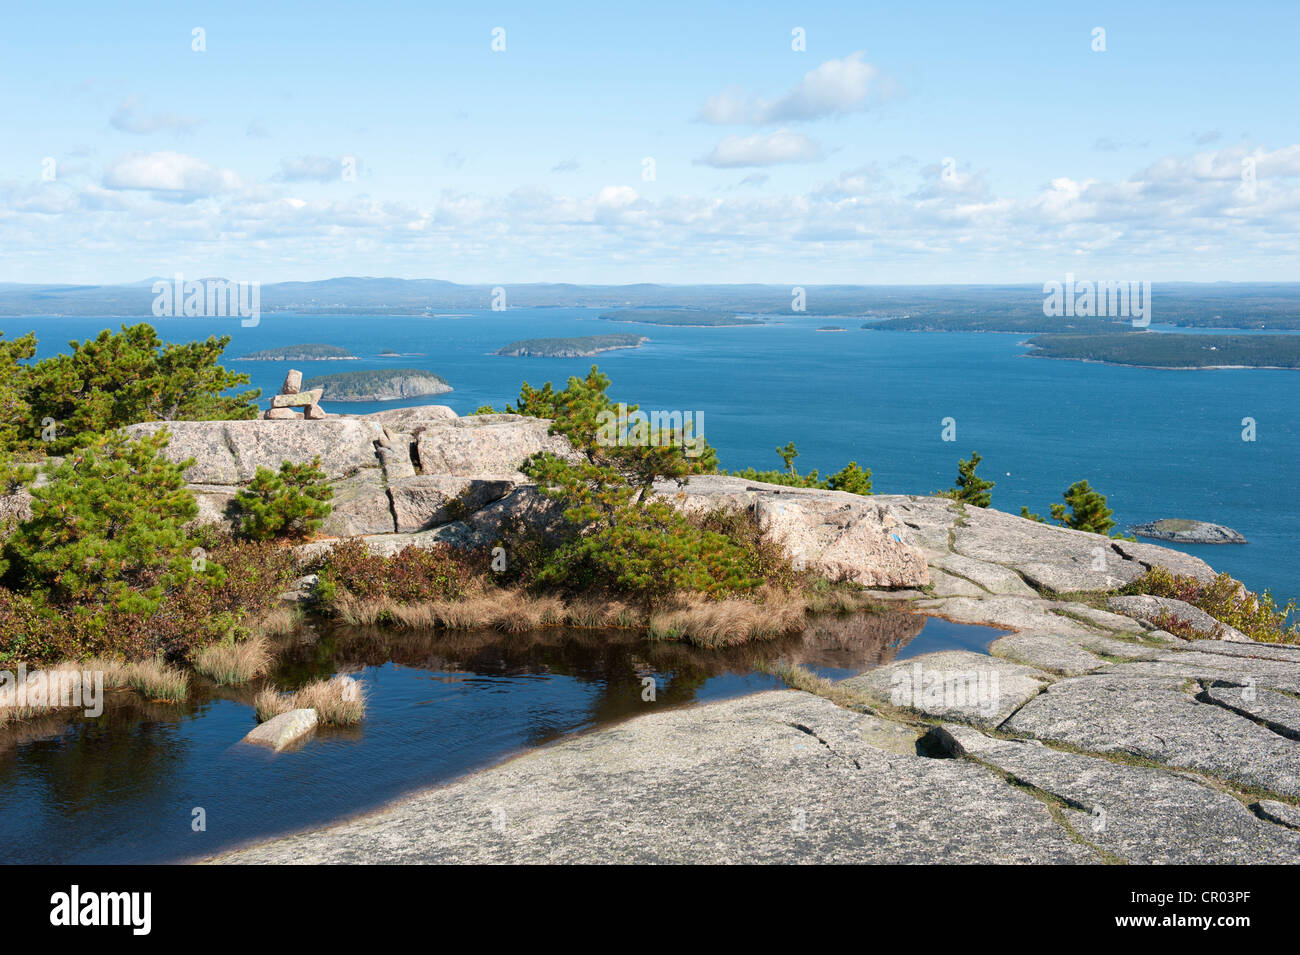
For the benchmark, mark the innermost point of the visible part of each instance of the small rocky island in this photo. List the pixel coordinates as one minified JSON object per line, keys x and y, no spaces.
{"x":580,"y":347}
{"x":308,"y":352}
{"x":1183,"y":531}
{"x":380,"y":385}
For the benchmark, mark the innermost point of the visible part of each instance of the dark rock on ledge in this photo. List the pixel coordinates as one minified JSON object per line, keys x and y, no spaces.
{"x":1182,"y":531}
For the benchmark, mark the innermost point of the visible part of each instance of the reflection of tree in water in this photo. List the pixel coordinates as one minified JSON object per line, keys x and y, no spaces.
{"x":614,"y":661}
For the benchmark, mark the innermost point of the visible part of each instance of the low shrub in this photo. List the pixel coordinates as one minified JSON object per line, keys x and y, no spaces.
{"x":1225,"y":599}
{"x":413,"y":574}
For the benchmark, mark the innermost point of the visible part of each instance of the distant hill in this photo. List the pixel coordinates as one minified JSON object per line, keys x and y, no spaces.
{"x":580,"y":347}
{"x":1013,"y":308}
{"x":311,"y":352}
{"x":694,"y":318}
{"x":379,"y":385}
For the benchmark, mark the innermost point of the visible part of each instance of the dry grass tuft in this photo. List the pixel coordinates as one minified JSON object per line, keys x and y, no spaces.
{"x":232,"y":664}
{"x":339,"y":701}
{"x":156,"y":680}
{"x":727,"y":623}
{"x":278,"y":622}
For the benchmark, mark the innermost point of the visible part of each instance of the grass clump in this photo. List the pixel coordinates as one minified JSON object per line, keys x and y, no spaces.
{"x":338,"y":701}
{"x":157,"y":680}
{"x":230,"y":664}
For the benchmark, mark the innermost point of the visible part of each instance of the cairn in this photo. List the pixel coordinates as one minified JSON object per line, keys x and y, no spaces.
{"x":292,"y":396}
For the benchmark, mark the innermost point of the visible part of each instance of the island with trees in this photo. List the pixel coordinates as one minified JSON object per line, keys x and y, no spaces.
{"x":579,"y":347}
{"x":682,"y":317}
{"x":1171,"y":350}
{"x":309,"y":352}
{"x":380,"y":385}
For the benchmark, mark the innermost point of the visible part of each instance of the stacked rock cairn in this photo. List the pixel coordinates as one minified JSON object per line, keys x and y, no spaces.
{"x":292,"y":397}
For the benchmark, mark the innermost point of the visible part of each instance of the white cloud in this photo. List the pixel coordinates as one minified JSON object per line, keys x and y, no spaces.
{"x":169,"y":172}
{"x":834,"y":88}
{"x":768,"y":149}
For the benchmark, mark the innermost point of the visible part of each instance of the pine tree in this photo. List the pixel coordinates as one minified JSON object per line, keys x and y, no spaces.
{"x":290,"y":503}
{"x":1087,"y":510}
{"x":972,"y":489}
{"x":108,"y":524}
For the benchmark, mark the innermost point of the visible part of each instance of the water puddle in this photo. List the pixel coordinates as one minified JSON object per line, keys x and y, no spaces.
{"x":125,"y":787}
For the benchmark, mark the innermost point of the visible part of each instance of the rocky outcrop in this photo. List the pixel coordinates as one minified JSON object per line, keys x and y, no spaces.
{"x":1181,"y":531}
{"x":787,"y":777}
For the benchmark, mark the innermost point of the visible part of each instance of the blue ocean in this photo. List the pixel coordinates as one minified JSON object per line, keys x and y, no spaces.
{"x":1157,"y":443}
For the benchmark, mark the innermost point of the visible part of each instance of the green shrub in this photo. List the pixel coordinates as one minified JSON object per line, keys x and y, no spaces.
{"x":1225,"y":599}
{"x":652,"y":553}
{"x":850,"y":478}
{"x":108,"y":525}
{"x":290,"y":503}
{"x":413,"y":574}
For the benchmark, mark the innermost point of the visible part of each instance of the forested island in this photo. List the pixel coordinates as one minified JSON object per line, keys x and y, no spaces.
{"x":579,"y":347}
{"x":309,"y":352}
{"x":997,"y":322}
{"x":384,"y":385}
{"x":1160,"y":350}
{"x":693,"y":318}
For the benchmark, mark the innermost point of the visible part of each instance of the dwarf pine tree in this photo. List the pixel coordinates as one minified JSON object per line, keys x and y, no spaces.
{"x":109,"y":524}
{"x":289,"y":503}
{"x":971,"y":488}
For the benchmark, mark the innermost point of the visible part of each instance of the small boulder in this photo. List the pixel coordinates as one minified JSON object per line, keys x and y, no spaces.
{"x":283,"y":730}
{"x":314,"y":412}
{"x":292,"y":383}
{"x":280,"y":414}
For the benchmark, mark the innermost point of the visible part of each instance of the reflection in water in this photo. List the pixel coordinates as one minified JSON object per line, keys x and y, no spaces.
{"x":124,"y":787}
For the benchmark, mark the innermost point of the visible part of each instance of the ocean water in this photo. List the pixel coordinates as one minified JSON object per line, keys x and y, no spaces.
{"x":1158,"y":443}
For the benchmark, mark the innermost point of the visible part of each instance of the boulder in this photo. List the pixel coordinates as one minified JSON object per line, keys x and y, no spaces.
{"x":314,"y":413}
{"x":284,"y":730}
{"x":844,"y":536}
{"x":292,"y":383}
{"x":230,"y":452}
{"x":412,"y":420}
{"x":425,"y":500}
{"x":361,"y":506}
{"x":279,"y":414}
{"x":485,"y":444}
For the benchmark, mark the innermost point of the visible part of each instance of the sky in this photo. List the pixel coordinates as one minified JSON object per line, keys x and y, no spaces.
{"x":898,"y":143}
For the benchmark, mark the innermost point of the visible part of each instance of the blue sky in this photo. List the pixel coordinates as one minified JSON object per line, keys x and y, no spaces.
{"x":802,"y":167}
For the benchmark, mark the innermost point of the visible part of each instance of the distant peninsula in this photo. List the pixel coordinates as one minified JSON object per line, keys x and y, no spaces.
{"x":311,"y":352}
{"x":686,"y":317}
{"x":984,"y":322}
{"x":1173,"y":350}
{"x":385,"y":385}
{"x":581,"y":347}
